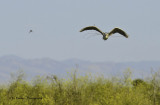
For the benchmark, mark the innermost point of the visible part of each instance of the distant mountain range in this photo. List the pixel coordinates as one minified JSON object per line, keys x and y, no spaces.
{"x":46,"y":66}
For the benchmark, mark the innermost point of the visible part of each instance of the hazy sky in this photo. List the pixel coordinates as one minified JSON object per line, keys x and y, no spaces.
{"x":56,"y":25}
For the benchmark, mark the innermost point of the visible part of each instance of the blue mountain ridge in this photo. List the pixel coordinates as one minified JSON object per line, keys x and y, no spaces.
{"x":46,"y":66}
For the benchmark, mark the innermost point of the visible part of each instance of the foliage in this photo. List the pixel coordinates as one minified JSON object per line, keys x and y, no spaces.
{"x":81,"y":90}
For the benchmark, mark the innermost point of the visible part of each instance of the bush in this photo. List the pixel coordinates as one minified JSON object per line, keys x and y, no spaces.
{"x":82,"y":90}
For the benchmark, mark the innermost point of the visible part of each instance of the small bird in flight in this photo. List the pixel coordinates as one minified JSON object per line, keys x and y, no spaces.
{"x":30,"y":31}
{"x":106,"y":35}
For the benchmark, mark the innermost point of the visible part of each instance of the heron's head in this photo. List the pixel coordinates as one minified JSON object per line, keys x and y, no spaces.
{"x":105,"y":36}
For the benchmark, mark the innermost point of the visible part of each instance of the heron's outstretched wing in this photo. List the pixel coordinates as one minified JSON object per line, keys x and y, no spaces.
{"x":118,"y":30}
{"x":91,"y":28}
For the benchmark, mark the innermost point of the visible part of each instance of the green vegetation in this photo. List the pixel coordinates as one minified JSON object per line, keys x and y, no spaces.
{"x":81,"y":90}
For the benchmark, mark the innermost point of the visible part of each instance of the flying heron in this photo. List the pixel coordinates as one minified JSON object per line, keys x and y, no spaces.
{"x":106,"y":35}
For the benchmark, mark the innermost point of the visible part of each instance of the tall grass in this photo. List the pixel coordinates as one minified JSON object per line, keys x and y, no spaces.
{"x":82,"y":90}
